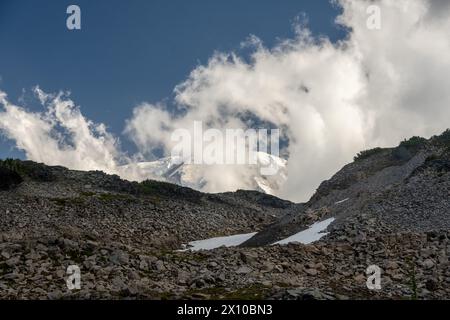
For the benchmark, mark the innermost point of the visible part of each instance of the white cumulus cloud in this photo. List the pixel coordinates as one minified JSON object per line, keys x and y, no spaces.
{"x":60,"y":135}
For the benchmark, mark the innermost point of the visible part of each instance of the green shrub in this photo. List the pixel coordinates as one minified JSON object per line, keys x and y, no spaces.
{"x":159,"y":187}
{"x":111,"y":197}
{"x":445,"y":136}
{"x":443,"y":139}
{"x":413,"y":281}
{"x":38,"y":171}
{"x":13,"y":165}
{"x":168,"y":190}
{"x":9,"y":178}
{"x":30,"y":169}
{"x":63,"y":202}
{"x":366,"y":154}
{"x":413,"y":143}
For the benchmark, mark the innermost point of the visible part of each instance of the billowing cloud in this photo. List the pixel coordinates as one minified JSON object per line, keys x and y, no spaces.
{"x":331,"y":100}
{"x":59,"y":136}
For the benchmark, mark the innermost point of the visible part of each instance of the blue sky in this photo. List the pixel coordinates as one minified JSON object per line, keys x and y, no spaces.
{"x":132,"y":51}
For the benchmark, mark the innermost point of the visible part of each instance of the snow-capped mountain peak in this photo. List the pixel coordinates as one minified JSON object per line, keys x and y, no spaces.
{"x":173,"y":170}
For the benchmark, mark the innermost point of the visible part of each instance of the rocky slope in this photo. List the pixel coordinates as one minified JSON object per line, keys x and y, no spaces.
{"x":402,"y":189}
{"x":391,"y":208}
{"x":55,"y":201}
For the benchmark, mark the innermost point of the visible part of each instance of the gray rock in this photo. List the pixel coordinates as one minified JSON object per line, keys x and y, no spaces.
{"x":243,"y":270}
{"x":55,"y":295}
{"x":428,"y":264}
{"x":311,"y":272}
{"x":119,"y":257}
{"x":159,"y":265}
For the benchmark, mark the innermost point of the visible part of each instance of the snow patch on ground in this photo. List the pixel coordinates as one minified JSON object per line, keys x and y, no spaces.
{"x":209,"y":244}
{"x":342,"y":201}
{"x":310,"y":235}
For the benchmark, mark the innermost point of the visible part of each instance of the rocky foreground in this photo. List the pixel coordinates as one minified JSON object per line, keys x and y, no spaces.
{"x":414,"y":266}
{"x":391,"y":209}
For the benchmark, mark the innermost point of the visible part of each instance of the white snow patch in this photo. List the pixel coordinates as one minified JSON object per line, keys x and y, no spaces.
{"x":342,"y":201}
{"x":310,"y":235}
{"x":213,"y":243}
